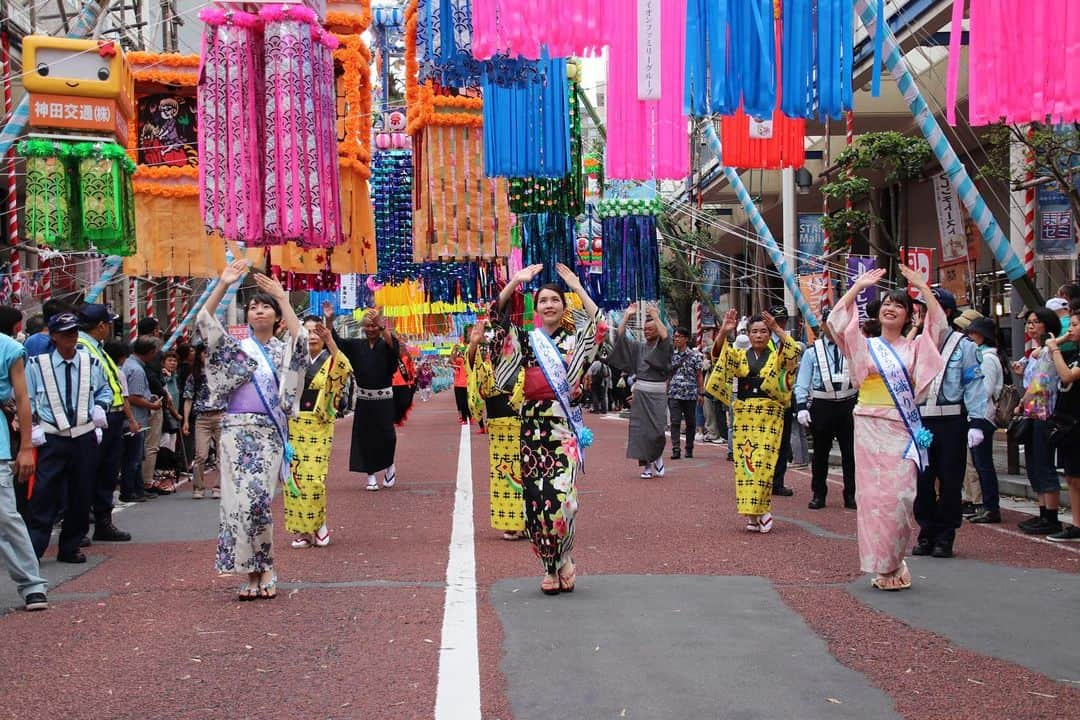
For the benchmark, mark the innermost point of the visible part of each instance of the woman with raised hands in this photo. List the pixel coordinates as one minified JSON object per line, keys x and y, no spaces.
{"x":553,"y":436}
{"x":893,"y":373}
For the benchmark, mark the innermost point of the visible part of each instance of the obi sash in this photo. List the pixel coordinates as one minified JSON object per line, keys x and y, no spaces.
{"x":551,"y":363}
{"x":268,"y":387}
{"x":895,"y":377}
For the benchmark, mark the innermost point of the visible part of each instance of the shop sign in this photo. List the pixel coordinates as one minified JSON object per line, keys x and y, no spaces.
{"x":814,"y":288}
{"x":950,"y":221}
{"x":648,"y":45}
{"x":920,"y":260}
{"x":1056,"y":236}
{"x":811,"y":243}
{"x":856,"y":266}
{"x":67,"y":112}
{"x":957,"y":280}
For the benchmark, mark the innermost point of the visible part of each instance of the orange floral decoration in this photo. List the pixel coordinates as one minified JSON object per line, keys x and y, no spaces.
{"x":173,"y":70}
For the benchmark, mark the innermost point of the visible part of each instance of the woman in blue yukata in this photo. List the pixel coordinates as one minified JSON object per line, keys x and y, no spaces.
{"x":256,"y":379}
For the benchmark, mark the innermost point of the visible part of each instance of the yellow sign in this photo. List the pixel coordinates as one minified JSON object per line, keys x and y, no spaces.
{"x":79,"y":68}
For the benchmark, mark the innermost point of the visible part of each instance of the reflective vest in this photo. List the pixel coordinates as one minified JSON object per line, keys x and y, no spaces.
{"x":112,"y":373}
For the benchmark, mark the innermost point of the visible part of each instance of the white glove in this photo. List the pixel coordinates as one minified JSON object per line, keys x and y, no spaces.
{"x":975,"y":437}
{"x":98,"y":434}
{"x":804,"y":418}
{"x":37,"y":436}
{"x":98,"y":416}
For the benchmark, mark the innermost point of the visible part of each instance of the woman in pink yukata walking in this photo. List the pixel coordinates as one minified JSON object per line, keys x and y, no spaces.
{"x":893,"y":374}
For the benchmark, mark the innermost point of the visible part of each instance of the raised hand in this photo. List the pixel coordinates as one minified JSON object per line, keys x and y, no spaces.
{"x":731,"y":321}
{"x":914,"y":277}
{"x":631,"y":310}
{"x":271,"y":287}
{"x":770,"y":323}
{"x":234,"y":271}
{"x":871,"y":278}
{"x":527,"y":274}
{"x":327,"y":310}
{"x":568,"y":276}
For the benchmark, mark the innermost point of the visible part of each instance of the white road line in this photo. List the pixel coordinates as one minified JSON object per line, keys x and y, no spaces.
{"x":458,"y":693}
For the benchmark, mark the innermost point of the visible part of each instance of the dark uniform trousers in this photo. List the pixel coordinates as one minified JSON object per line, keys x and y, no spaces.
{"x":938,"y":507}
{"x":832,"y":420}
{"x":110,"y":458}
{"x":65,"y":477}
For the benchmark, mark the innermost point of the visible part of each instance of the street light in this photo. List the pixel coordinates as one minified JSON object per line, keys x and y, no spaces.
{"x":803,"y":181}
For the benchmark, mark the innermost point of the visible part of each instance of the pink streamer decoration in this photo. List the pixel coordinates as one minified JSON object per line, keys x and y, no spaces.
{"x":650,"y":140}
{"x":1020,"y":55}
{"x":267,"y":128}
{"x":522,"y":27}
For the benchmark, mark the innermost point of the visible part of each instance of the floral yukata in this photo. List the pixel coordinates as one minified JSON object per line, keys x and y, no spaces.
{"x":764,"y":386}
{"x":550,"y":455}
{"x":246,"y":377}
{"x":311,"y":434}
{"x":885,"y":482}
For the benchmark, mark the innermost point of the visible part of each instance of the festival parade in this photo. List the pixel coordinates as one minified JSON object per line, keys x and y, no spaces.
{"x":532,"y":359}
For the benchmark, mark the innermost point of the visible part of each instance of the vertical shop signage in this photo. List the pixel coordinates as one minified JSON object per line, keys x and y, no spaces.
{"x":950,"y":221}
{"x":1056,"y":238}
{"x":648,"y":44}
{"x":811,"y":243}
{"x":857,"y":265}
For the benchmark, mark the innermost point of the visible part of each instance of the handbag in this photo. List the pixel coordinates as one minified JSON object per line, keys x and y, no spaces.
{"x":1006,"y":403}
{"x":1061,"y":428}
{"x":1019,"y":429}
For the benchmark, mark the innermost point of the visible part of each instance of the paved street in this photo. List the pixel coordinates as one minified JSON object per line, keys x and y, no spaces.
{"x":678,"y":612}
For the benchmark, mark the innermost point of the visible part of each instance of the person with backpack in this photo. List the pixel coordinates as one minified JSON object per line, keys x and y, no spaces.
{"x":598,"y":380}
{"x":983,"y":333}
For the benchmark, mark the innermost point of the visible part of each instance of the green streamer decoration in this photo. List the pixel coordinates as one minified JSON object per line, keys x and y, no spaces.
{"x":49,"y":200}
{"x":106,"y":197}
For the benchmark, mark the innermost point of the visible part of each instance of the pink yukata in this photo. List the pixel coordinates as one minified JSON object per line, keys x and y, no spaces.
{"x":884,"y":481}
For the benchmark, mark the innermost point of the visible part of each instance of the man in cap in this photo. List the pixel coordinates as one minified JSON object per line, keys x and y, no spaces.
{"x":781,"y":314}
{"x":953,"y":412}
{"x":825,"y":403}
{"x":983,"y":333}
{"x":69,"y":397}
{"x":1060,"y":306}
{"x":97,"y":327}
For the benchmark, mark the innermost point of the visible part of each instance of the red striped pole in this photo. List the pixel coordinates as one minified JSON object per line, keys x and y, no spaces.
{"x":849,"y":120}
{"x":12,"y":199}
{"x":45,"y":288}
{"x":1029,"y":212}
{"x":133,"y":309}
{"x":172,"y":307}
{"x":149,"y":298}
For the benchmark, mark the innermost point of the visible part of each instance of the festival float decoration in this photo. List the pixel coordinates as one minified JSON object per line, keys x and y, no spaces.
{"x":391,"y":189}
{"x":528,"y":28}
{"x":645,"y":81}
{"x":631,"y":258}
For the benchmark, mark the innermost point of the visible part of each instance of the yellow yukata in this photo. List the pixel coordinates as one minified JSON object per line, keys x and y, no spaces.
{"x":504,"y":444}
{"x":765,"y":385}
{"x":311,"y":435}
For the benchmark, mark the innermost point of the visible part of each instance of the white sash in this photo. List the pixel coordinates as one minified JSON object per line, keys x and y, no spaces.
{"x":268,"y":386}
{"x":895,"y":377}
{"x":551,"y":362}
{"x":56,"y":399}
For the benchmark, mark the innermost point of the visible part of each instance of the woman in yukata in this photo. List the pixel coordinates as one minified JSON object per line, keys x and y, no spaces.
{"x":893,"y":374}
{"x":553,"y":436}
{"x":256,"y":379}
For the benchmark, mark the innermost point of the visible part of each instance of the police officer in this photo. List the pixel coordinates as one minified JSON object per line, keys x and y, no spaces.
{"x":825,"y":403}
{"x":97,"y":327}
{"x":69,"y":398}
{"x":954,"y":409}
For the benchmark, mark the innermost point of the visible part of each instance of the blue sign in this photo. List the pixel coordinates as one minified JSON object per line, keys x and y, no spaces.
{"x":1055,"y":237}
{"x":811,"y":244}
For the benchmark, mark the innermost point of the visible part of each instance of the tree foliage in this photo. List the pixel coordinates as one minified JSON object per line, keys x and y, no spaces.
{"x":1052,"y":154}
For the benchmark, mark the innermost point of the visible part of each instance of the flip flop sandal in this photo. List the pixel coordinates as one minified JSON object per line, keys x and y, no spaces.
{"x":765,"y":525}
{"x":550,"y":585}
{"x":566,"y":582}
{"x":247,"y":593}
{"x":646,"y":474}
{"x":268,"y":591}
{"x":301,"y":542}
{"x":322,"y":537}
{"x":753,"y":527}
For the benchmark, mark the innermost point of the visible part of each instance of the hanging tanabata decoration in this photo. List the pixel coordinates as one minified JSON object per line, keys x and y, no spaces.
{"x":645,"y":90}
{"x":526,"y":122}
{"x":106,"y":200}
{"x":524,"y":28}
{"x":547,"y":238}
{"x":565,"y":194}
{"x":817,"y":65}
{"x":631,"y":255}
{"x":778,"y":142}
{"x":267,"y":126}
{"x":48,"y":218}
{"x":391,"y":190}
{"x":1021,"y":56}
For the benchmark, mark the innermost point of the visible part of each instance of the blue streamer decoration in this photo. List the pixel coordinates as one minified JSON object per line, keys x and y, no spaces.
{"x":391,"y":194}
{"x":631,"y":260}
{"x":879,"y":40}
{"x":547,"y":238}
{"x":527,"y":121}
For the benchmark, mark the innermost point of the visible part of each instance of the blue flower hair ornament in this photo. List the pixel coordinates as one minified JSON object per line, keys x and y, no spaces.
{"x":585,"y":437}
